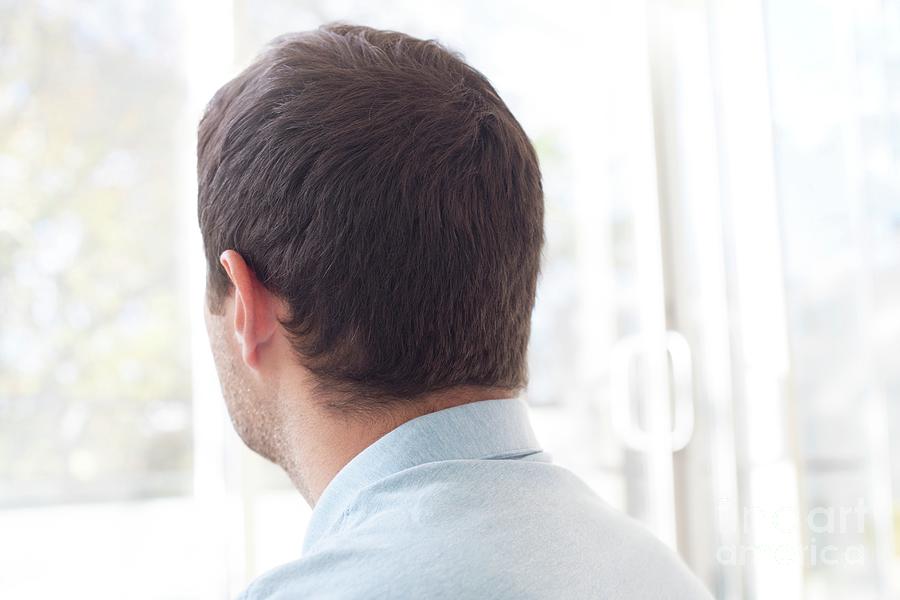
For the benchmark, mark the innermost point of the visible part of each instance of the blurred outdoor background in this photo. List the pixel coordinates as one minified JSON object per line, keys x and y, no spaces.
{"x":716,"y":345}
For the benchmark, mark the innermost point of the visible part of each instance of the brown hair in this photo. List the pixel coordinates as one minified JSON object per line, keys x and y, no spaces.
{"x":379,"y":186}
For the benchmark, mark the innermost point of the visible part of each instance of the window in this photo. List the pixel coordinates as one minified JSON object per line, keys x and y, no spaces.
{"x":93,"y":309}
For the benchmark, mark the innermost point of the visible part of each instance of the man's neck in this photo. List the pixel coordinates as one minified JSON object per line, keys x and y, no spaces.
{"x":320,"y":441}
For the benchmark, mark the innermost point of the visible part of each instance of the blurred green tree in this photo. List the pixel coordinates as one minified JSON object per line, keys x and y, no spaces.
{"x":94,"y":352}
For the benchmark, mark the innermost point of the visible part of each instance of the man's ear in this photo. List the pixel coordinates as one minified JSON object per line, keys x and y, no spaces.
{"x":255,"y":320}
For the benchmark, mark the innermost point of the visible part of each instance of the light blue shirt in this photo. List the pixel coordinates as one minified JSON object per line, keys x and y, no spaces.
{"x":463,"y":503}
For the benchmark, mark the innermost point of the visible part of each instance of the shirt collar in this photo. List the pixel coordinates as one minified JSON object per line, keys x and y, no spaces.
{"x":477,"y":430}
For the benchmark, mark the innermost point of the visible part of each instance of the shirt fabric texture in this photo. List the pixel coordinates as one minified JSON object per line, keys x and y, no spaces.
{"x":463,"y":503}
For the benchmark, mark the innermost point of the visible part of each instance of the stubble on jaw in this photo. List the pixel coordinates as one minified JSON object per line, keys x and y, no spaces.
{"x":251,"y":412}
{"x":254,"y":413}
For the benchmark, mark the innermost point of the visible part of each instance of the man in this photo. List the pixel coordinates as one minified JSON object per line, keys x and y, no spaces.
{"x":372,"y":215}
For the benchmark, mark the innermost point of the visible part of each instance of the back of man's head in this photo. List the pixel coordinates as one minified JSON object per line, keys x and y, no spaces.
{"x":381,"y":188}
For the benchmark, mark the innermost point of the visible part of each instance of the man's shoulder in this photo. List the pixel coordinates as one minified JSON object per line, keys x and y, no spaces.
{"x":469,"y":529}
{"x":330,"y":574}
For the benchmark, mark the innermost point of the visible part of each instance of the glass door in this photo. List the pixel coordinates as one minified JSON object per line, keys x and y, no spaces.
{"x":835,"y":91}
{"x":778,"y":151}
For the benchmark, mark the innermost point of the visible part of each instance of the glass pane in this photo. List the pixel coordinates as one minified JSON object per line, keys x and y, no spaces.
{"x":96,"y":457}
{"x":835,"y":70}
{"x":94,"y":374}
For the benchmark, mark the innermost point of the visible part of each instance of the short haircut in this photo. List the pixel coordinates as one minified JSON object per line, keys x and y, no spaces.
{"x":379,"y":186}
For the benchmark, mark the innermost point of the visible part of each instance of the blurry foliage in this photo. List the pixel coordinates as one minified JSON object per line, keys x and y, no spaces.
{"x":94,"y":352}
